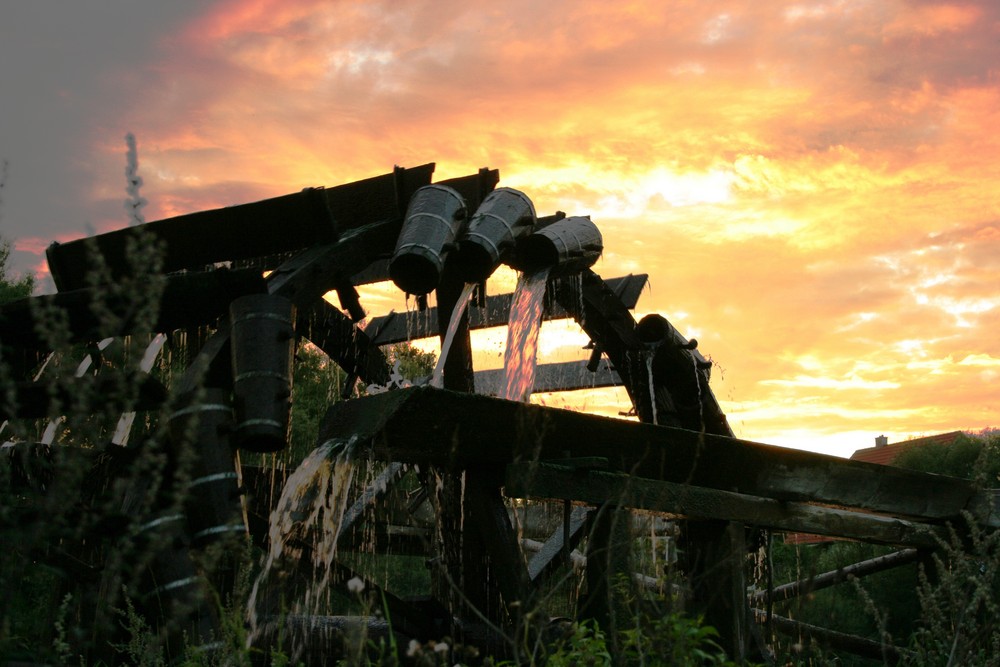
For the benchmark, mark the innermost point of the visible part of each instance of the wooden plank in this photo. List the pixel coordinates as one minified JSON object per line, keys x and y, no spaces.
{"x":424,"y":424}
{"x":505,"y":567}
{"x":280,"y":224}
{"x":713,"y":554}
{"x":398,"y":327}
{"x":551,"y":481}
{"x":565,"y":376}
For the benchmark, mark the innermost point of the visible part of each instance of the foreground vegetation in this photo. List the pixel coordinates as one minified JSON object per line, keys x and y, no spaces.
{"x":75,"y":561}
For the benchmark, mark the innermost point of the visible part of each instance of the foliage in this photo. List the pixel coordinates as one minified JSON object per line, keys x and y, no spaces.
{"x":316,"y":384}
{"x":933,"y":607}
{"x":12,"y":288}
{"x":960,"y":602}
{"x":411,"y":362}
{"x":971,"y":456}
{"x":586,"y":645}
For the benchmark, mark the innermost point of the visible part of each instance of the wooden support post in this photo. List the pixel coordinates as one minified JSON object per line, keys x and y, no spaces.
{"x":461,"y":557}
{"x":491,"y":538}
{"x":714,"y":553}
{"x":609,"y":550}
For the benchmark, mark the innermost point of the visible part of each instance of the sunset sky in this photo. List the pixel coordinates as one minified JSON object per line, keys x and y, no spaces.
{"x":812,"y":188}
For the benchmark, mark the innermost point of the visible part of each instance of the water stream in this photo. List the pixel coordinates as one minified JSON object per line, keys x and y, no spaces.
{"x":437,"y":377}
{"x":522,"y":336}
{"x":304,"y":529}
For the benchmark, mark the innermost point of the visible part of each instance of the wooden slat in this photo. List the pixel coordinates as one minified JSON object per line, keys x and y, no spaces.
{"x":424,"y":424}
{"x":398,"y":327}
{"x":566,"y":376}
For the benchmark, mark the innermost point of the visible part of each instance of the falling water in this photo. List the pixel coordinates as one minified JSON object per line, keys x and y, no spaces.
{"x":437,"y":378}
{"x":652,"y":388}
{"x":522,"y":335}
{"x":305,"y":525}
{"x":697,"y":384}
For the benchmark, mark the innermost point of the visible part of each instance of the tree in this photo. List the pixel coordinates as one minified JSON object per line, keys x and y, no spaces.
{"x":12,"y":288}
{"x":971,"y":456}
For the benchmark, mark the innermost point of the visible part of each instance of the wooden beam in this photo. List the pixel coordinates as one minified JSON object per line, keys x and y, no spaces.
{"x":595,"y":487}
{"x":312,"y":217}
{"x":331,"y":331}
{"x":423,"y":424}
{"x":398,"y":327}
{"x":566,"y":376}
{"x":827,"y":579}
{"x":556,"y":549}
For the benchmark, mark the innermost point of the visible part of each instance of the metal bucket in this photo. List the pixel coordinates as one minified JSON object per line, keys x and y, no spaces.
{"x":173,"y":595}
{"x":505,"y":216}
{"x":433,"y":219}
{"x":263,"y":346}
{"x":213,"y":504}
{"x":567,"y":246}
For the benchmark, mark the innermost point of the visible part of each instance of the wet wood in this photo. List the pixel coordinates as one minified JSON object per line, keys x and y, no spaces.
{"x":566,"y":376}
{"x":608,"y":573}
{"x":333,"y":332}
{"x":455,"y":429}
{"x":398,"y":327}
{"x":713,"y":553}
{"x":490,"y":522}
{"x":601,"y":314}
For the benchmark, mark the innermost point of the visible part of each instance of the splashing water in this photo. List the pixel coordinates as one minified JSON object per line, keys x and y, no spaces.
{"x":305,"y":525}
{"x":437,"y":377}
{"x":522,"y":336}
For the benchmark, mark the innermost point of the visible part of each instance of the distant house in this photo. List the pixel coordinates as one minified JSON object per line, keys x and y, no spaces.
{"x":884,"y":454}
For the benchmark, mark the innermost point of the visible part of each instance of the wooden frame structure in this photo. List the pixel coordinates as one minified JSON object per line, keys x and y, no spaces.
{"x":680,"y":461}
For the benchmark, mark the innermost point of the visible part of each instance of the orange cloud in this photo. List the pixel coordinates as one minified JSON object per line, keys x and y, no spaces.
{"x":812,"y":187}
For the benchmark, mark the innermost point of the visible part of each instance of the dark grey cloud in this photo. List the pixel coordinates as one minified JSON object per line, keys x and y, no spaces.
{"x":64,"y":69}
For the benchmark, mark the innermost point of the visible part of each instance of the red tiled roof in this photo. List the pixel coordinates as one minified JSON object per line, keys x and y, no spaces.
{"x":887,"y":454}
